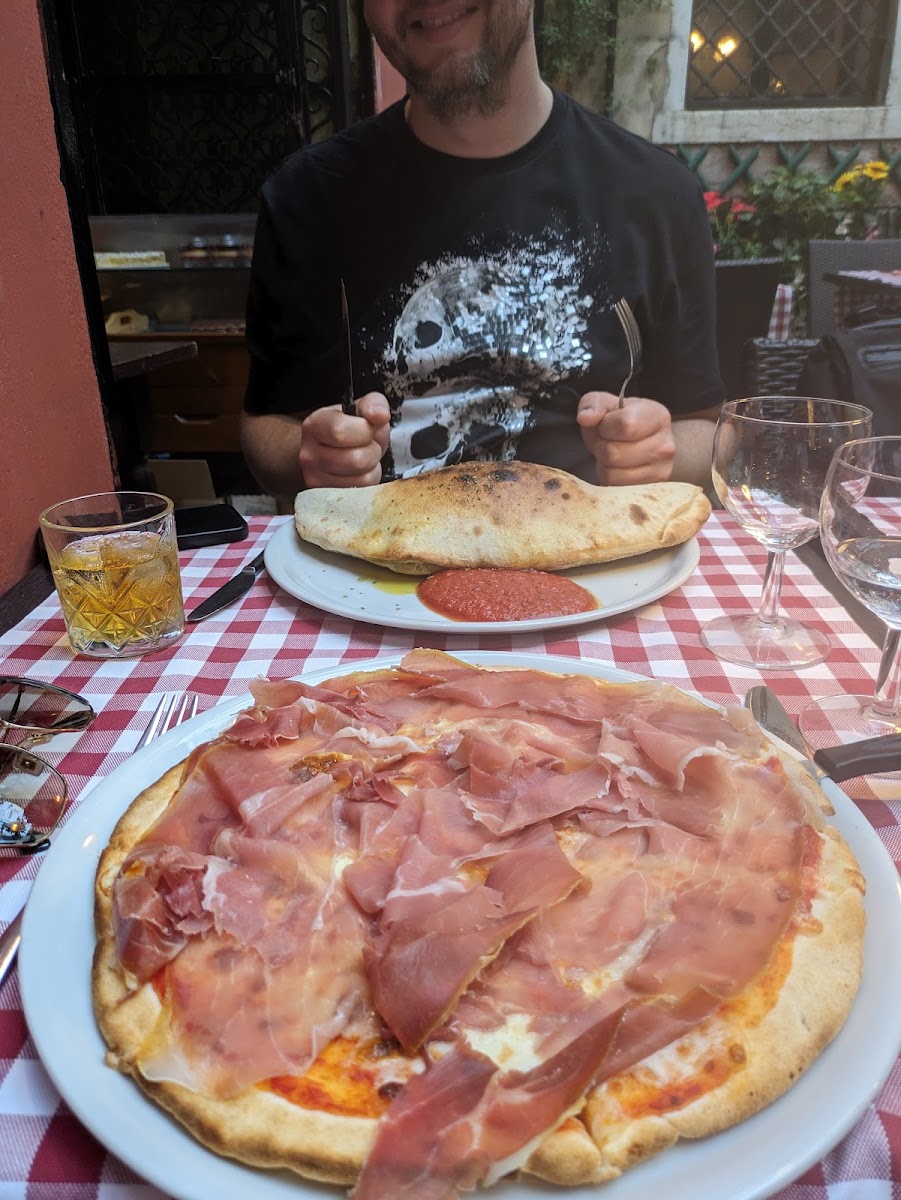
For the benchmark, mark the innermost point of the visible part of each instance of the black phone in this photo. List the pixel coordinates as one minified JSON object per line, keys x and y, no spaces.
{"x":208,"y":525}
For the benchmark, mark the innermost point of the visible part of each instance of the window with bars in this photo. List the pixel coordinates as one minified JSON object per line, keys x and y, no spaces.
{"x":788,"y":53}
{"x":186,"y":106}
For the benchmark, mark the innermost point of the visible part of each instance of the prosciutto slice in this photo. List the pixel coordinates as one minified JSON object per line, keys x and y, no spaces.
{"x":281,"y":971}
{"x":450,"y":1127}
{"x":438,"y":928}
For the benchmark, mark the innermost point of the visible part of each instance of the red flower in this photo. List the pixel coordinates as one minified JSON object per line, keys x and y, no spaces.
{"x":732,"y":224}
{"x":733,"y":207}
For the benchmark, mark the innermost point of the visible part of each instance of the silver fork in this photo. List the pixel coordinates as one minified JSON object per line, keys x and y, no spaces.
{"x":173,"y":708}
{"x":633,"y":340}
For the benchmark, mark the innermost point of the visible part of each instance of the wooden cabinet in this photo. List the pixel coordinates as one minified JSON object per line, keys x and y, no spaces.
{"x":195,"y":407}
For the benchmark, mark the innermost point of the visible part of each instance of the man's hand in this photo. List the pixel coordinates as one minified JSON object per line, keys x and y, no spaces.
{"x":341,"y":451}
{"x":632,"y":444}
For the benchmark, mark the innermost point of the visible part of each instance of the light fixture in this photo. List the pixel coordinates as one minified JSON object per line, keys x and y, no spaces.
{"x":697,"y":39}
{"x":727,"y":45}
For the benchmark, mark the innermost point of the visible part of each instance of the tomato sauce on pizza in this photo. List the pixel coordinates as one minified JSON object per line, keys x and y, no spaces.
{"x":343,"y":1079}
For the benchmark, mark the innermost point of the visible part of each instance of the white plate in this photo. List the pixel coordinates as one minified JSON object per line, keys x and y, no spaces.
{"x":747,"y":1162}
{"x":350,"y":587}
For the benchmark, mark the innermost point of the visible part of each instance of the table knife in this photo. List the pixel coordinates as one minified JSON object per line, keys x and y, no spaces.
{"x":228,"y":593}
{"x":9,"y":944}
{"x":882,"y":754}
{"x":348,"y":402}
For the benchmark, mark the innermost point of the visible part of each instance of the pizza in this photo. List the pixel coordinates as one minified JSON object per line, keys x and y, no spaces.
{"x":514,"y":515}
{"x":416,"y":928}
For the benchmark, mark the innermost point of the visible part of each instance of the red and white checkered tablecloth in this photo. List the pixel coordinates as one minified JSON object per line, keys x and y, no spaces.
{"x":45,"y":1153}
{"x":781,"y":316}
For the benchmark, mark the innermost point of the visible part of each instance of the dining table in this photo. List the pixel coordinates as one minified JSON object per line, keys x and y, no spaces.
{"x":46,"y":1153}
{"x":876,"y":292}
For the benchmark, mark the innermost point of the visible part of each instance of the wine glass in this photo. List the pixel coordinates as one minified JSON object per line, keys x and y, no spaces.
{"x":860,"y":529}
{"x":770,"y":459}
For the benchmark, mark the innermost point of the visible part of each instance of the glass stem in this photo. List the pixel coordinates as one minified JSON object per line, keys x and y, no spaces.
{"x":768,"y":610}
{"x":887,"y":700}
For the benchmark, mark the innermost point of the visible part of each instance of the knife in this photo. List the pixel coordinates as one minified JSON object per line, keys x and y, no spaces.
{"x":348,"y":403}
{"x":228,"y":593}
{"x":882,"y":754}
{"x":9,"y":944}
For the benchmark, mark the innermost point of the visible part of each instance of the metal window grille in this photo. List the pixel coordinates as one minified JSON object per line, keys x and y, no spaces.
{"x":188,"y":105}
{"x":788,"y":53}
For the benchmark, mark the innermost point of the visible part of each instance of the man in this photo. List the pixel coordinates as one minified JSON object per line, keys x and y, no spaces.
{"x":484,"y":228}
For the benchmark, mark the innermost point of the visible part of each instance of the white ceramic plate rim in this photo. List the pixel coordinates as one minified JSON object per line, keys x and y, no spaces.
{"x":341,"y":589}
{"x":748,"y":1162}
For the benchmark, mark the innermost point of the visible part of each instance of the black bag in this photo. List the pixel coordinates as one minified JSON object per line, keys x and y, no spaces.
{"x":861,"y":365}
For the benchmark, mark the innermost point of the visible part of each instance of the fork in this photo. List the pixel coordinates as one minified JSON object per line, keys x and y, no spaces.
{"x":633,"y":340}
{"x":167,"y":714}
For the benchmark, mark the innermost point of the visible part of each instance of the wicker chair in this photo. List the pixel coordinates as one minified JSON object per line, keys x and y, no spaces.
{"x":774,"y":368}
{"x":880,"y":254}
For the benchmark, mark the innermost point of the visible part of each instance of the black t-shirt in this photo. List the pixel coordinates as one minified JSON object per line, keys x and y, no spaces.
{"x":481,"y":291}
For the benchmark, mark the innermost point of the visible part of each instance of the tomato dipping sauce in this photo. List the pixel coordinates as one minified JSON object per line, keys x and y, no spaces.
{"x":479,"y":594}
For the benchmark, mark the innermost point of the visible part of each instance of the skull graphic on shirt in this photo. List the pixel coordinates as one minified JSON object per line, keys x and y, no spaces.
{"x":479,"y":343}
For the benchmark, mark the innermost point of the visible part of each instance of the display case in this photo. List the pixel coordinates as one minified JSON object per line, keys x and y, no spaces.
{"x":173,"y":274}
{"x":171,"y":277}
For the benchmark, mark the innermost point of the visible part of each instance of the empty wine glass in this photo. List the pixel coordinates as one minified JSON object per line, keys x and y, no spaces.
{"x":770,"y":459}
{"x":860,"y":528}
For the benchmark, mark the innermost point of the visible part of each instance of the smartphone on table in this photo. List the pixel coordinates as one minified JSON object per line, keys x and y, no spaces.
{"x":208,"y":525}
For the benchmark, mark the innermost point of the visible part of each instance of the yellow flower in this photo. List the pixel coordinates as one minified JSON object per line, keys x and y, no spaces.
{"x":876,"y":169}
{"x":845,"y":180}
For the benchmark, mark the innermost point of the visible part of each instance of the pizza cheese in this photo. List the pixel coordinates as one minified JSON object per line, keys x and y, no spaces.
{"x":414,"y":929}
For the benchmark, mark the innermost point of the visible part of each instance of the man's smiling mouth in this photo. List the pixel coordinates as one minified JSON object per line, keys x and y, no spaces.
{"x":446,"y":18}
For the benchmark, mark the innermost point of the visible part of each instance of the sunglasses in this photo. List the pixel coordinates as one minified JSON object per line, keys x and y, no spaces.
{"x":40,"y":709}
{"x":33,"y":795}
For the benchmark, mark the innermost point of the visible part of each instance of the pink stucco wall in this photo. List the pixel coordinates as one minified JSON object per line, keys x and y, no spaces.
{"x":52,"y":435}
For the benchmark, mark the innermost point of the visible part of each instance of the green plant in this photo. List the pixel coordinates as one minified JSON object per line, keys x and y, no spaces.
{"x":575,"y":34}
{"x":791,"y":208}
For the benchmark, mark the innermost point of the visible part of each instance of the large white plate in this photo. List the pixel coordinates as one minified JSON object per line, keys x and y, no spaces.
{"x":747,"y":1162}
{"x":350,"y":587}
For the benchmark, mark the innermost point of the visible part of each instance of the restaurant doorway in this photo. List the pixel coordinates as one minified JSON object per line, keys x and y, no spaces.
{"x":171,"y":114}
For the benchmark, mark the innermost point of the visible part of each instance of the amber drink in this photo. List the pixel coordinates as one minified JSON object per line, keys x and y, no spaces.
{"x":115,"y":565}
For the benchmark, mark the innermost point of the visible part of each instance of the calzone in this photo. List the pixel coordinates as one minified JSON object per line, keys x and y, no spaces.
{"x":514,"y":515}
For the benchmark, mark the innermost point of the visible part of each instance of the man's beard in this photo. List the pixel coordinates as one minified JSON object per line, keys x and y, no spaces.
{"x":475,"y":84}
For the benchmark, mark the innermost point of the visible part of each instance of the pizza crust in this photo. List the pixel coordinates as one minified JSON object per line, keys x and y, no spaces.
{"x":502,"y":515}
{"x":766,"y":1038}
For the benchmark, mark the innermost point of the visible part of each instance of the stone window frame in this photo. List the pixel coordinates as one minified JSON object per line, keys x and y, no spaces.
{"x":647,"y":42}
